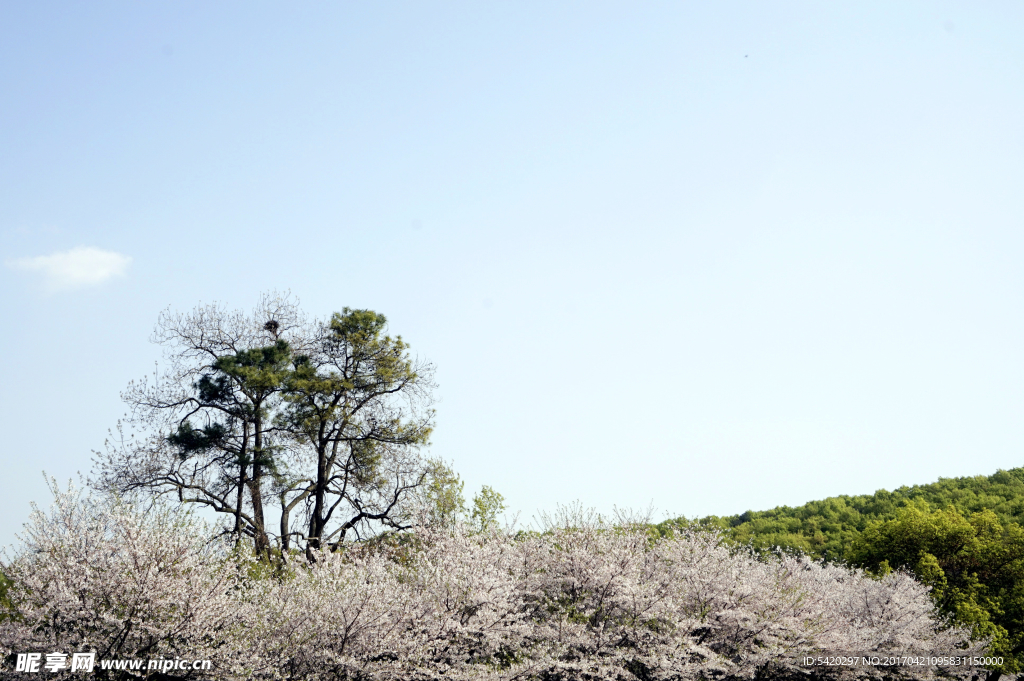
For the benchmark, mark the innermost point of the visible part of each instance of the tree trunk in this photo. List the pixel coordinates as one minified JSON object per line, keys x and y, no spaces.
{"x":316,"y":520}
{"x":260,"y":540}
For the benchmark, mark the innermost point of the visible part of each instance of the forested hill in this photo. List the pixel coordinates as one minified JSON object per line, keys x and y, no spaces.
{"x":827,"y":527}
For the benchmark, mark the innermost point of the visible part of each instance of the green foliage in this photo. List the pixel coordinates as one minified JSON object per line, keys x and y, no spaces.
{"x":974,"y":565}
{"x":358,"y":327}
{"x":446,"y":505}
{"x":828,"y":528}
{"x":257,"y":370}
{"x":189,"y":439}
{"x":6,"y":607}
{"x":487,"y":505}
{"x":442,"y":489}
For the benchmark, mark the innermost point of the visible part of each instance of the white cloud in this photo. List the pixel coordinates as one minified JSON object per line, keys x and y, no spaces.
{"x":79,"y":267}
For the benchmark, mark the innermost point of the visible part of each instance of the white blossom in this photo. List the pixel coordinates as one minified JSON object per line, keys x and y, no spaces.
{"x":592,"y":603}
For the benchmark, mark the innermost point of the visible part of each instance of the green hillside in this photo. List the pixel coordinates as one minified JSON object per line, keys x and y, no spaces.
{"x":827,"y":528}
{"x":962,"y":537}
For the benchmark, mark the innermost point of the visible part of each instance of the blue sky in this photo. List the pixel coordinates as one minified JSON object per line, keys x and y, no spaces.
{"x":708,"y":257}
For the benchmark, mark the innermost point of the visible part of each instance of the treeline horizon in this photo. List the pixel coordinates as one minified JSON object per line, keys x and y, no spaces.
{"x":826,"y":528}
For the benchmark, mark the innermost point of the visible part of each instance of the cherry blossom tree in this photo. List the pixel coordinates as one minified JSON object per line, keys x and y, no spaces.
{"x":103,"y":576}
{"x":451,"y":602}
